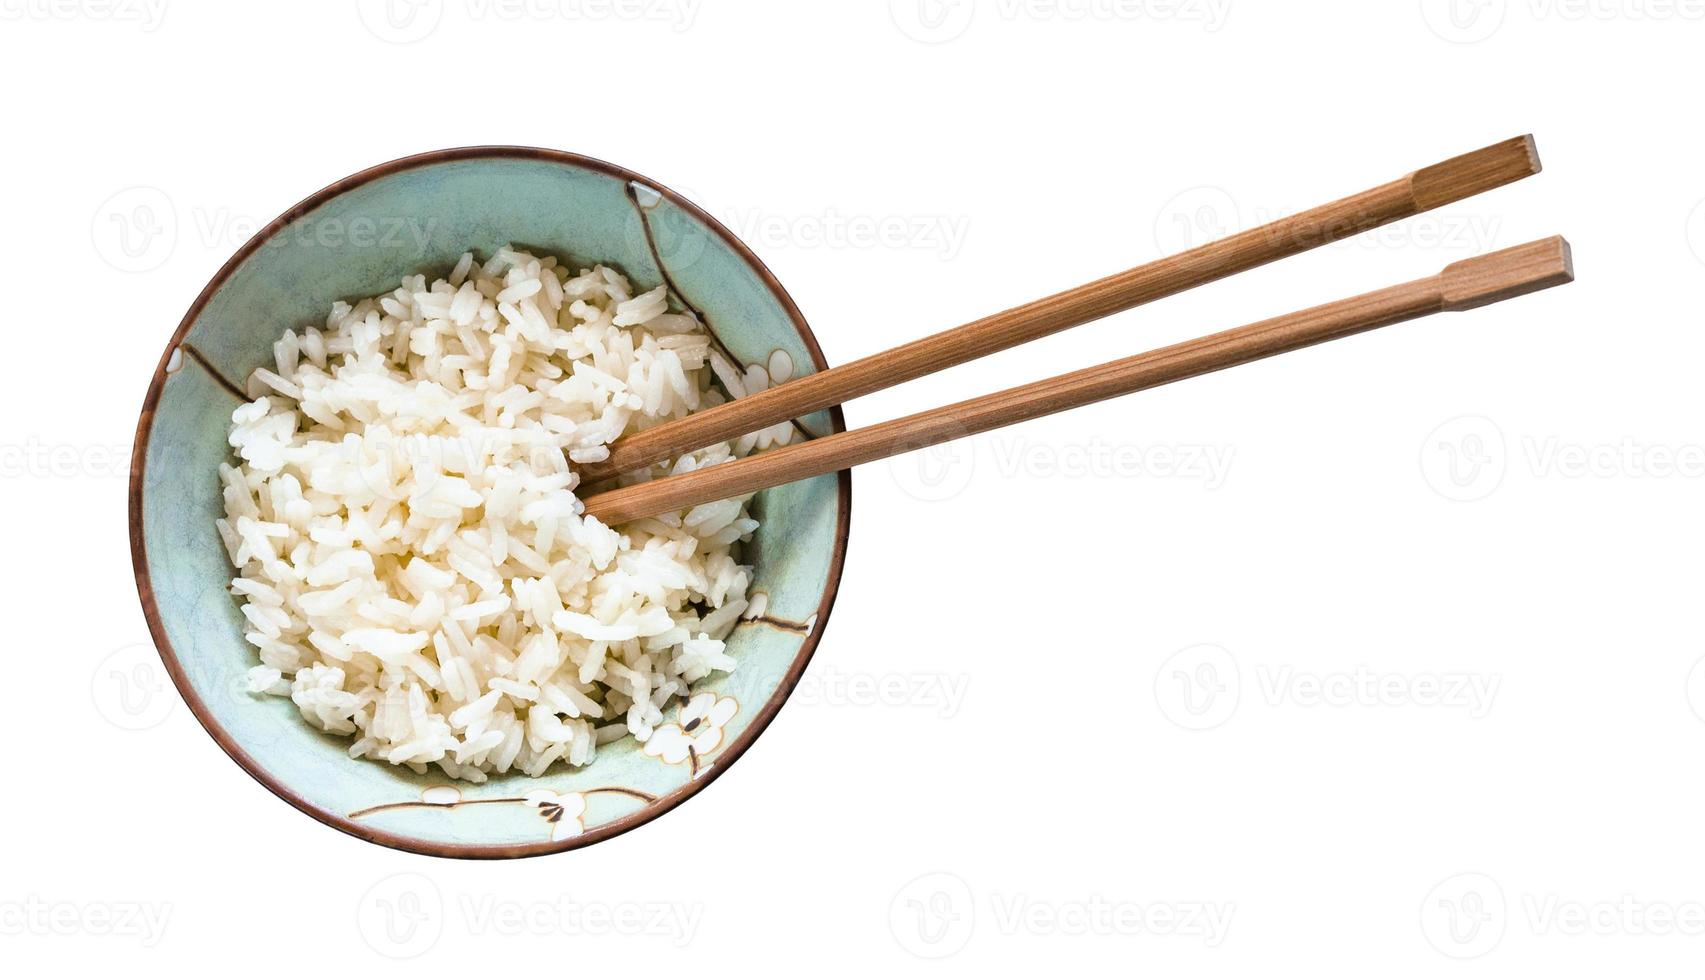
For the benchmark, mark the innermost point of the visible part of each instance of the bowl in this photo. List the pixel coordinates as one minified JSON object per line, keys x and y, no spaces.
{"x":359,"y":237}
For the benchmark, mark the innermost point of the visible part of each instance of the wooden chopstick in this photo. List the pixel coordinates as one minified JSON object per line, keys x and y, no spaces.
{"x":1461,"y":286}
{"x":1423,"y":190}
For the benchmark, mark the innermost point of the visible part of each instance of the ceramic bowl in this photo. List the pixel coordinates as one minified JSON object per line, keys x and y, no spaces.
{"x":359,"y":237}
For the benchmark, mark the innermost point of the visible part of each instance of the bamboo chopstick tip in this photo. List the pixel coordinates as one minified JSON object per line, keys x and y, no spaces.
{"x":1528,"y":150}
{"x":1508,"y":273}
{"x":1566,"y":257}
{"x":1475,"y":173}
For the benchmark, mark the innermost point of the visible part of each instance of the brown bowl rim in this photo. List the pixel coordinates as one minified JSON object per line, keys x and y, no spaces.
{"x":145,"y":589}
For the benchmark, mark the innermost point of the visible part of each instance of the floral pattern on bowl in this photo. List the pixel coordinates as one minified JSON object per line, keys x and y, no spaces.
{"x":692,"y":737}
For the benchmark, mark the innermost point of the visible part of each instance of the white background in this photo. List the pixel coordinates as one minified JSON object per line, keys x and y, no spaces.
{"x":1101,"y":633}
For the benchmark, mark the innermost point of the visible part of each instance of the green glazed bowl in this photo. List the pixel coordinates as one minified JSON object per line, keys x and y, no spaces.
{"x":359,"y":237}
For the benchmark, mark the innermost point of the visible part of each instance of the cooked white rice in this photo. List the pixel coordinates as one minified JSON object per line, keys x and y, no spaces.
{"x":413,"y":565}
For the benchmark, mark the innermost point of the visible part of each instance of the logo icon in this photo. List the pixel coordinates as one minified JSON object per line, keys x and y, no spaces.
{"x":935,"y":471}
{"x":401,"y":916}
{"x":1198,"y":687}
{"x":1463,"y":21}
{"x":1464,"y":916}
{"x":1464,"y":459}
{"x":672,"y":233}
{"x":1696,"y":689}
{"x":400,"y":21}
{"x":1696,"y":231}
{"x":1194,"y":218}
{"x":932,"y":21}
{"x":131,"y":688}
{"x":933,"y":915}
{"x":382,"y":461}
{"x":136,"y":229}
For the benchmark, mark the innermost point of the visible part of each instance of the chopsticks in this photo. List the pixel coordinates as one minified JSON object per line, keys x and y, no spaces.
{"x":1461,"y":286}
{"x":1418,"y":192}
